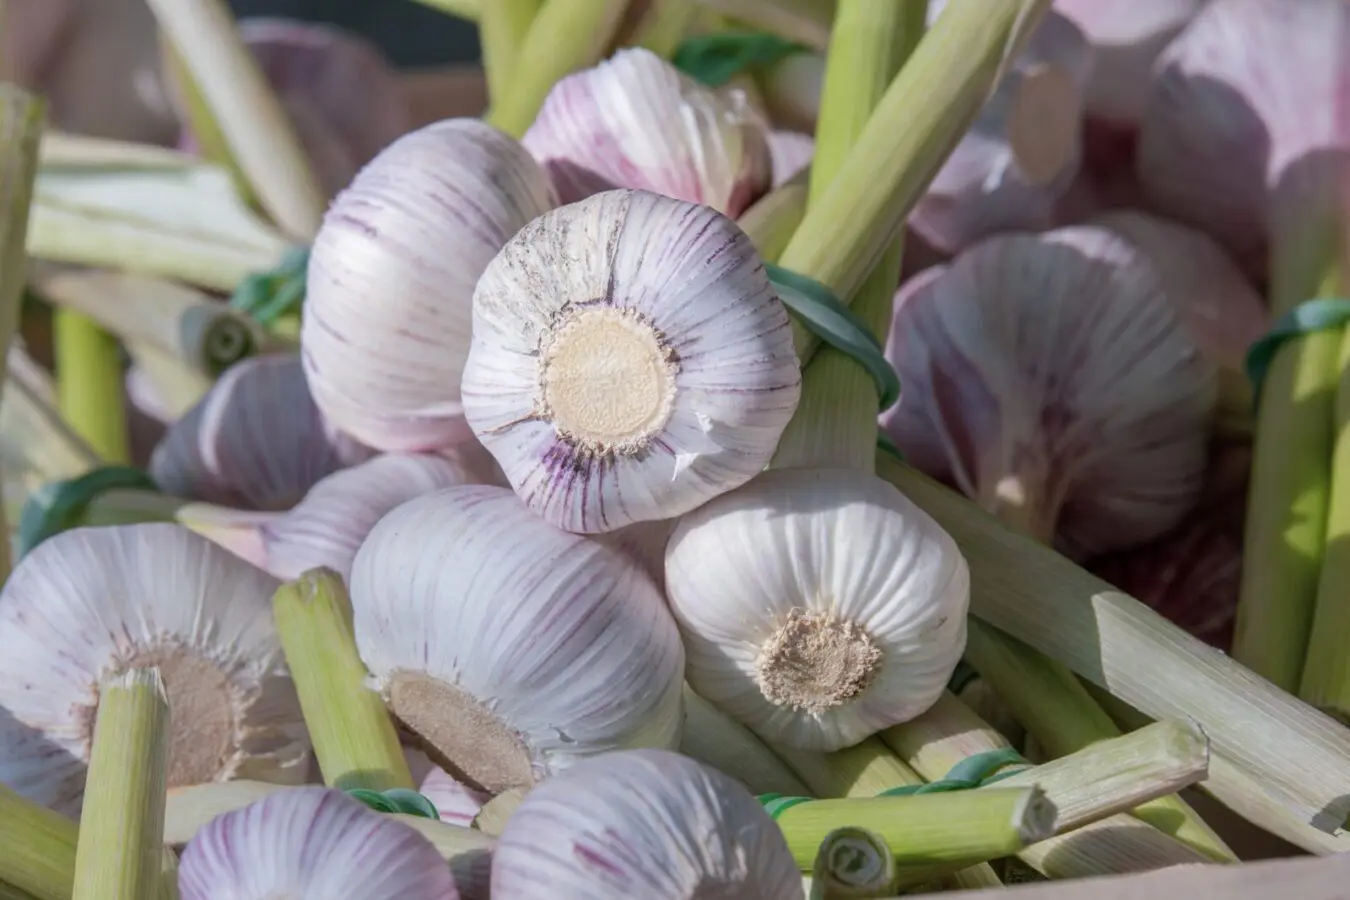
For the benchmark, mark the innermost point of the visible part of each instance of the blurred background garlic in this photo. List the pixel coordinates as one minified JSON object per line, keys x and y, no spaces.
{"x":635,"y":121}
{"x":791,"y":151}
{"x":630,"y":361}
{"x":391,"y":278}
{"x":642,"y":823}
{"x":92,"y":602}
{"x":510,"y":648}
{"x":818,"y":606}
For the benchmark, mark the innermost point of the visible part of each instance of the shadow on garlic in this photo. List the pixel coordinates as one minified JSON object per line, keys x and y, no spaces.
{"x":630,"y":361}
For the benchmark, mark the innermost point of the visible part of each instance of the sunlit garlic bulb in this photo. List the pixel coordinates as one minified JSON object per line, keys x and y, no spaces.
{"x":791,"y":152}
{"x":311,"y":843}
{"x":630,"y":361}
{"x":90,"y":603}
{"x":389,"y":297}
{"x":255,"y":441}
{"x":818,"y":606}
{"x":1050,"y":379}
{"x":642,"y":823}
{"x":510,"y":648}
{"x":635,"y":121}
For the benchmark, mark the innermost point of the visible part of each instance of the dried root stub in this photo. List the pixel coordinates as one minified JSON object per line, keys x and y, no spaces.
{"x":1050,"y":379}
{"x":630,"y":361}
{"x":93,"y":602}
{"x":509,"y":648}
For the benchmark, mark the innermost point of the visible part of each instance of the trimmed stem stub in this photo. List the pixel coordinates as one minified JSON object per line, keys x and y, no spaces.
{"x":816,"y":661}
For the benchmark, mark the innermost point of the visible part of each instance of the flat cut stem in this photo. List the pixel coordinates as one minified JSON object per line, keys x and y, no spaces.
{"x":39,"y":848}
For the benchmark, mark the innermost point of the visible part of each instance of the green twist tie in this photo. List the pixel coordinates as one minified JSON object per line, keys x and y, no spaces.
{"x":60,"y":505}
{"x":396,"y":800}
{"x":715,"y":59}
{"x":1319,"y":314}
{"x":777,"y":804}
{"x":267,"y":296}
{"x":972,"y":772}
{"x":834,"y":323}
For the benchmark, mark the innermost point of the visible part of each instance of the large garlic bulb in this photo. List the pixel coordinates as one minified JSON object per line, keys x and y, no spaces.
{"x":818,"y":606}
{"x":1050,"y":379}
{"x":93,"y":602}
{"x":510,"y":648}
{"x":642,"y":823}
{"x":635,"y":121}
{"x":389,"y":296}
{"x":630,"y":361}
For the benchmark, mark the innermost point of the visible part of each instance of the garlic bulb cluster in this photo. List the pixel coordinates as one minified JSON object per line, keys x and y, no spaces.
{"x":94,"y":602}
{"x":642,"y":823}
{"x":635,"y":121}
{"x":255,"y":441}
{"x":312,"y":842}
{"x":630,"y":360}
{"x":790,"y":151}
{"x":389,"y":298}
{"x":509,"y":648}
{"x":818,"y":606}
{"x":1050,"y":379}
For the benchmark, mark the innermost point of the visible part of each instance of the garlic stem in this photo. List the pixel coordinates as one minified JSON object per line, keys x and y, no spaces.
{"x":463,"y":9}
{"x":36,"y":444}
{"x":353,"y":736}
{"x":89,"y":384}
{"x":805,"y":21}
{"x":10,"y":892}
{"x":852,"y":862}
{"x":772,"y":219}
{"x":502,"y":27}
{"x":712,"y":737}
{"x":664,"y":25}
{"x":39,"y":844}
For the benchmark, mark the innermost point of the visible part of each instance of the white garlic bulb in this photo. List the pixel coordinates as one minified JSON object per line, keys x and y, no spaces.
{"x":635,"y":121}
{"x":630,"y":361}
{"x":642,"y":823}
{"x":90,"y":603}
{"x":818,"y":606}
{"x":389,"y":295}
{"x":510,"y":648}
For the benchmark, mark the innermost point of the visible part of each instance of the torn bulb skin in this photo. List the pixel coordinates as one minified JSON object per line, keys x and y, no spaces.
{"x":630,"y":361}
{"x":1050,"y":379}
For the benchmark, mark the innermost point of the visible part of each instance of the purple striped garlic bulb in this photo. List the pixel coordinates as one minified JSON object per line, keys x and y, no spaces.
{"x":630,"y":361}
{"x":509,"y":648}
{"x":389,"y":300}
{"x":642,"y":823}
{"x":791,"y":152}
{"x":255,"y":441}
{"x":312,"y":843}
{"x":456,"y":803}
{"x":1050,"y":378}
{"x":635,"y":121}
{"x":94,"y":602}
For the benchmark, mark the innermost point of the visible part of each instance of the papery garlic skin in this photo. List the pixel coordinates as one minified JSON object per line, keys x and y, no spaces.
{"x":630,"y":361}
{"x":642,"y":823}
{"x":255,"y":441}
{"x":311,"y":843}
{"x":1049,"y":378}
{"x":388,"y":307}
{"x":635,"y":121}
{"x":818,"y":606}
{"x":456,"y":803}
{"x":791,"y":152}
{"x":92,"y":602}
{"x":511,"y":648}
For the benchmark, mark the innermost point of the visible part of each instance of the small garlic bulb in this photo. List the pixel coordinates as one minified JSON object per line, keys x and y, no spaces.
{"x":635,"y":121}
{"x":1050,"y":379}
{"x":818,"y":606}
{"x":311,"y":843}
{"x":255,"y":441}
{"x":93,"y":602}
{"x":510,"y":648}
{"x":630,"y":361}
{"x":389,"y":295}
{"x":791,"y":152}
{"x":642,"y":823}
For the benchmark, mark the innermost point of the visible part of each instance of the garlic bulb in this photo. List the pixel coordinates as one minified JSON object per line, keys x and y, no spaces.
{"x":1049,"y":378}
{"x":90,"y":603}
{"x":818,"y":606}
{"x":255,"y":441}
{"x":791,"y":152}
{"x":642,"y":823}
{"x":630,"y":361}
{"x":635,"y":121}
{"x":510,"y":648}
{"x":644,"y":543}
{"x":389,"y":294}
{"x":310,"y":843}
{"x":455,"y":803}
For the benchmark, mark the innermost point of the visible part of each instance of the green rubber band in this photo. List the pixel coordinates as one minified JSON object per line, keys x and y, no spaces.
{"x":60,"y":505}
{"x":834,"y":323}
{"x":715,"y":59}
{"x":267,"y":296}
{"x":396,"y":800}
{"x":1319,"y":314}
{"x":970,"y":773}
{"x":962,"y":677}
{"x":776,"y":804}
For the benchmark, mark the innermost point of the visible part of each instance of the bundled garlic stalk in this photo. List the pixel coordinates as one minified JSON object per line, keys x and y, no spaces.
{"x":455,"y":803}
{"x":642,"y":823}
